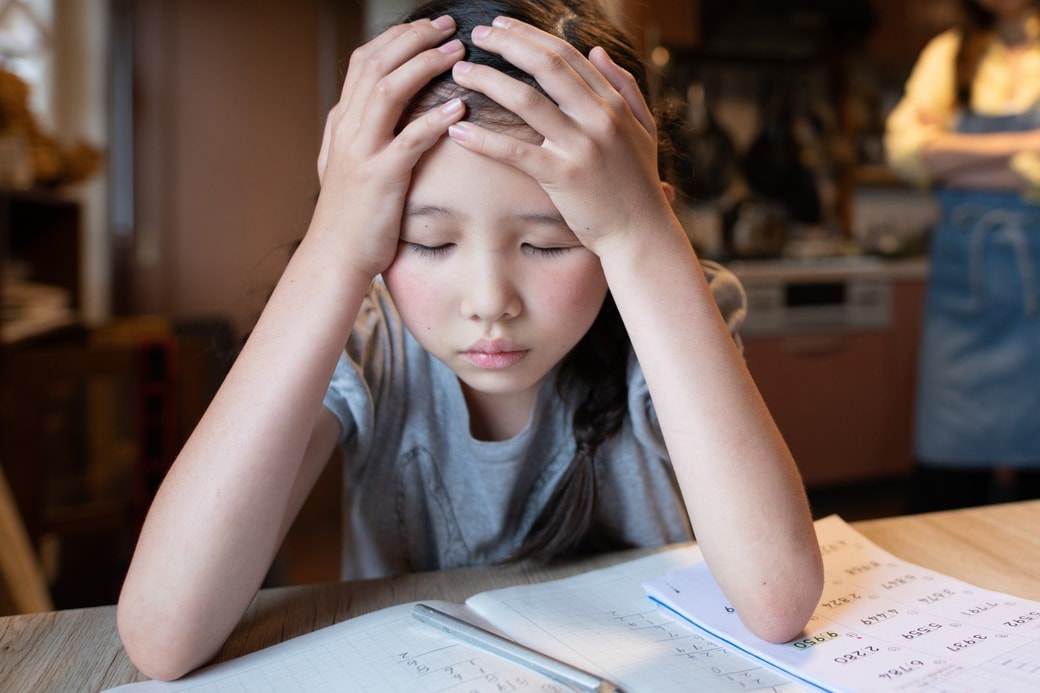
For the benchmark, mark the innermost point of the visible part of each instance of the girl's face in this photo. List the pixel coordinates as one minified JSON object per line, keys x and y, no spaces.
{"x":488,"y":277}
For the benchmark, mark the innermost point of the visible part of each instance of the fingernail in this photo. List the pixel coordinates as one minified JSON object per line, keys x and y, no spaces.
{"x":461,"y":67}
{"x":442,"y":23}
{"x":452,"y":107}
{"x":504,"y":22}
{"x":458,"y":131}
{"x":480,"y":32}
{"x":452,"y":46}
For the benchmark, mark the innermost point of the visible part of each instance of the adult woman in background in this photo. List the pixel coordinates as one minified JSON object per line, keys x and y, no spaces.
{"x":969,"y":124}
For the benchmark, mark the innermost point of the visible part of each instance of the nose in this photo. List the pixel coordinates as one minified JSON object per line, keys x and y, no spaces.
{"x":490,"y":292}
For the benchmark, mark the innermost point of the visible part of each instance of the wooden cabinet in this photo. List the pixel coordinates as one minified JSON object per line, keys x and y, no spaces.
{"x":39,"y":242}
{"x":844,"y":399}
{"x":40,"y":248}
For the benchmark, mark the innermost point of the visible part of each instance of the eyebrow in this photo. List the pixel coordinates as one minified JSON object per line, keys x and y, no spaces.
{"x":428,"y":211}
{"x":539,"y":218}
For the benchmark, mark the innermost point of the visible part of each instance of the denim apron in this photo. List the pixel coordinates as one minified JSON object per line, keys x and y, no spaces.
{"x":978,"y":400}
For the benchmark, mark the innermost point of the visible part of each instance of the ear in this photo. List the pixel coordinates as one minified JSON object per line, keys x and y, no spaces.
{"x":669,"y":192}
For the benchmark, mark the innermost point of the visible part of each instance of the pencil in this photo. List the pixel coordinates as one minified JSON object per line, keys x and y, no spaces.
{"x":513,"y":651}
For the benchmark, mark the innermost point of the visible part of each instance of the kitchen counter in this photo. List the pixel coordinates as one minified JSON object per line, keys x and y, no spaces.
{"x":832,"y":345}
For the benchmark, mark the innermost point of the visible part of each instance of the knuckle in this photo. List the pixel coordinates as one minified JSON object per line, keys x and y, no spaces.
{"x":354,"y":63}
{"x":554,"y":61}
{"x":616,"y":102}
{"x":572,"y":172}
{"x":359,"y":57}
{"x":383,"y":90}
{"x":586,"y":152}
{"x":514,"y":152}
{"x":416,"y":32}
{"x":529,"y":98}
{"x":373,"y":62}
{"x":429,"y":61}
{"x":608,"y":125}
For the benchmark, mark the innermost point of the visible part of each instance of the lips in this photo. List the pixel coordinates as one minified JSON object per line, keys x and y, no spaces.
{"x":493,"y":354}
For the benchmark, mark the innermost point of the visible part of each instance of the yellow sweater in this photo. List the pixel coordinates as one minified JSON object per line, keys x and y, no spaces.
{"x":1006,"y":82}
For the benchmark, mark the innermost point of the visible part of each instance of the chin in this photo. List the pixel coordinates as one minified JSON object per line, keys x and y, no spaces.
{"x":501,"y":382}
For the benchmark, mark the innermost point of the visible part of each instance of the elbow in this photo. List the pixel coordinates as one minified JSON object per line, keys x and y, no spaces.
{"x":784,"y":610}
{"x":158,"y":647}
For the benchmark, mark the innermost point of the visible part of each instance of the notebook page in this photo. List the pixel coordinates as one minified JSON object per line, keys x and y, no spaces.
{"x":387,"y":650}
{"x":883,"y":624}
{"x":602,"y":622}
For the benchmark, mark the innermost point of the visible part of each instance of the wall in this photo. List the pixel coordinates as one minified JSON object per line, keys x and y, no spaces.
{"x":80,"y":63}
{"x":229,"y":103}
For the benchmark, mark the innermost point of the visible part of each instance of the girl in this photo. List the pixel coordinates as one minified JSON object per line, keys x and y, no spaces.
{"x":495,"y":247}
{"x":969,"y":123}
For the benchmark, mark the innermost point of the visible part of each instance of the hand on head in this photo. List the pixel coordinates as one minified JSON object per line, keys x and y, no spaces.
{"x":576,"y":123}
{"x":595,"y":149}
{"x":366,"y":161}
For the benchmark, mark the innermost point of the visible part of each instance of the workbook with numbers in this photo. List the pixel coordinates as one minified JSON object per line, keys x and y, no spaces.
{"x":882,"y":624}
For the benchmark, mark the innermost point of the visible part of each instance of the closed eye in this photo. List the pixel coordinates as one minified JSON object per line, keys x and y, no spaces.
{"x":427,"y":251}
{"x":551,"y":251}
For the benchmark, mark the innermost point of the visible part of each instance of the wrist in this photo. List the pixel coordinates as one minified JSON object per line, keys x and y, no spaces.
{"x":662,"y":237}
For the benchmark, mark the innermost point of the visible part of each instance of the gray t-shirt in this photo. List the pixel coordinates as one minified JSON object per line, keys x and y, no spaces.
{"x":420,"y":493}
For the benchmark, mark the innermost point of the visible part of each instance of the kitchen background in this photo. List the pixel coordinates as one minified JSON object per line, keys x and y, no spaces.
{"x":129,"y":278}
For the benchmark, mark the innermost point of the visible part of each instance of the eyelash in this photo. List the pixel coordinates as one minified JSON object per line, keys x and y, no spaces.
{"x":426,"y":250}
{"x":546,"y":252}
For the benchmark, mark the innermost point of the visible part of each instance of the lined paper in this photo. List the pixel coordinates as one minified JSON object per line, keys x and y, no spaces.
{"x":386,"y":650}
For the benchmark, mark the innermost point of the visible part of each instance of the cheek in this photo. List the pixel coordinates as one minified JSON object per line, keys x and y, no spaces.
{"x":416,"y":295}
{"x":578,"y":295}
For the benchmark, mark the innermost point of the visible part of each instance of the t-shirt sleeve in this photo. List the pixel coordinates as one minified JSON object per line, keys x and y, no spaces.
{"x":729,"y":297}
{"x":364,"y":372}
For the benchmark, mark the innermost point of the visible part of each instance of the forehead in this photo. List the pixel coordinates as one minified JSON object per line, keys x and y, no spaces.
{"x":451,"y":177}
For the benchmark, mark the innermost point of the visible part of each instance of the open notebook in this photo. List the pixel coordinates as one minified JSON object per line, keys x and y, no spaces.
{"x":883,"y":624}
{"x":600,"y":621}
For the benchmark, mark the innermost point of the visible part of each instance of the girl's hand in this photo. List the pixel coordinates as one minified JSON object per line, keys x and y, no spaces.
{"x":364,"y":166}
{"x":598,"y":156}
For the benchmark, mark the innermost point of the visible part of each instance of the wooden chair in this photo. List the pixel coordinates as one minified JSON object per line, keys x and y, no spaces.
{"x":23,"y":586}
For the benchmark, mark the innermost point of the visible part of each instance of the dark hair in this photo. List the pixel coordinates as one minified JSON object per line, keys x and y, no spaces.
{"x":976,"y":27}
{"x":593,"y":376}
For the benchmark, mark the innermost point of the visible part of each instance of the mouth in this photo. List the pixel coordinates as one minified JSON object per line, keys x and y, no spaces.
{"x":494,"y":354}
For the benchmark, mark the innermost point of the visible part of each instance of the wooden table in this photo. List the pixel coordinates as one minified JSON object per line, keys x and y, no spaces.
{"x":996,"y":547}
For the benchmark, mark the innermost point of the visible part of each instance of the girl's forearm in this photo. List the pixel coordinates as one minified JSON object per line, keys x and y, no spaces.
{"x":222,"y":511}
{"x":741,"y":486}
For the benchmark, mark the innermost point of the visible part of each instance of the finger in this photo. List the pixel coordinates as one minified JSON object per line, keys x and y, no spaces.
{"x":377,"y":115}
{"x":388,"y":51}
{"x":384,"y":54}
{"x":387,"y":101}
{"x":625,"y":84}
{"x":425,"y":131}
{"x":549,"y":59}
{"x":525,"y":156}
{"x":532,"y":106}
